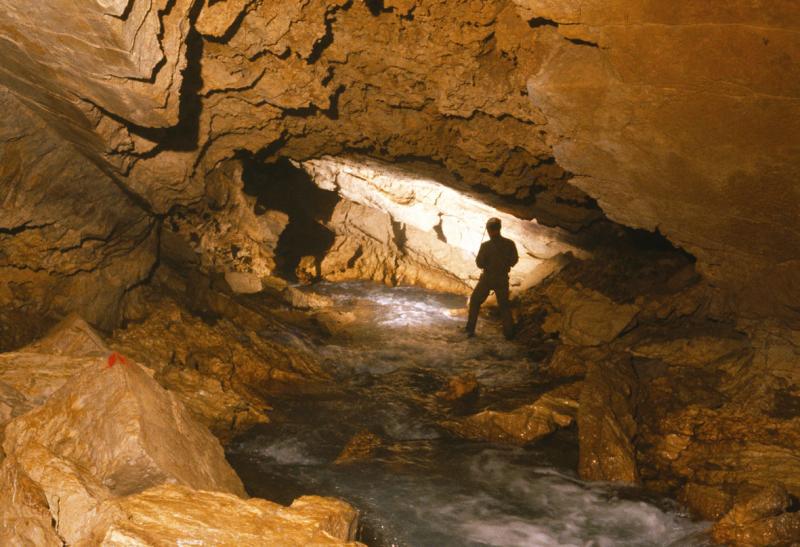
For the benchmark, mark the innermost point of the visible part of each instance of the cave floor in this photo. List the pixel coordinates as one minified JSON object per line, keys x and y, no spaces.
{"x":414,"y":482}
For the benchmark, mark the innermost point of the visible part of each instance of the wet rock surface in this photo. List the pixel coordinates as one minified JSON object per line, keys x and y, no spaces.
{"x":556,"y":409}
{"x":684,"y":399}
{"x":103,"y":454}
{"x":167,"y":165}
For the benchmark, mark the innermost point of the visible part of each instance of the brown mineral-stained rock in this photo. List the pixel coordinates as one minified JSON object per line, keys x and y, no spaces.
{"x":72,"y":337}
{"x":708,"y":502}
{"x":70,"y":239}
{"x":459,"y":388}
{"x":25,"y":517}
{"x":224,"y":411}
{"x":251,"y":365}
{"x":571,"y":361}
{"x":585,"y":317}
{"x":553,"y":410}
{"x":38,"y":375}
{"x":690,"y":352}
{"x":119,"y":423}
{"x":606,"y":424}
{"x":767,"y":517}
{"x":177,"y":515}
{"x":361,"y":447}
{"x":624,"y":75}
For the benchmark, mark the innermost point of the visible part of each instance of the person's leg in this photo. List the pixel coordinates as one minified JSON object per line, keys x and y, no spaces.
{"x":501,"y":291}
{"x":478,"y":297}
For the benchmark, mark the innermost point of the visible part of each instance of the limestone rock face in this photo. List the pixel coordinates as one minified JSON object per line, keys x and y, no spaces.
{"x":529,"y":423}
{"x":25,"y":517}
{"x":684,"y":119}
{"x":227,"y":233}
{"x":70,"y":239}
{"x":395,"y":226}
{"x":71,"y":337}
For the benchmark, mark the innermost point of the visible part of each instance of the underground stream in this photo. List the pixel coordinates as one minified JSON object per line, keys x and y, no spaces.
{"x":424,"y":487}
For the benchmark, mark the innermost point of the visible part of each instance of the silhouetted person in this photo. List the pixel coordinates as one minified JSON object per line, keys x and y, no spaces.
{"x":496,"y":258}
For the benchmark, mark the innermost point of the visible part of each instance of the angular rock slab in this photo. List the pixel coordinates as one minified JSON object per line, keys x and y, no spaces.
{"x":176,"y":515}
{"x":585,"y":317}
{"x":38,"y":375}
{"x":526,"y":424}
{"x":127,"y":430}
{"x":25,"y":517}
{"x":606,"y":424}
{"x":763,"y":518}
{"x":72,"y":337}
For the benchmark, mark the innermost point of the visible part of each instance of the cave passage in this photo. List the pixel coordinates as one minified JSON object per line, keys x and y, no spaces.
{"x":421,"y":485}
{"x":282,"y":186}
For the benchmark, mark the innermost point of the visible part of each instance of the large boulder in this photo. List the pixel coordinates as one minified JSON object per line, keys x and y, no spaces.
{"x":132,"y":433}
{"x":39,"y":369}
{"x":38,"y":375}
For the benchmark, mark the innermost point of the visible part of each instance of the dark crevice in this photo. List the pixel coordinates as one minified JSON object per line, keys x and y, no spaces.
{"x":538,"y":22}
{"x":377,"y":7}
{"x":579,"y":42}
{"x":322,"y":44}
{"x":23,"y":228}
{"x":399,"y":233}
{"x":440,"y":232}
{"x":332,"y":112}
{"x":353,"y":259}
{"x":280,"y":186}
{"x":184,"y":135}
{"x":327,"y":39}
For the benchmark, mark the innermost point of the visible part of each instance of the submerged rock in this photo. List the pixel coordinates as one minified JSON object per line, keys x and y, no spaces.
{"x":362,"y":446}
{"x":526,"y":424}
{"x":459,"y":388}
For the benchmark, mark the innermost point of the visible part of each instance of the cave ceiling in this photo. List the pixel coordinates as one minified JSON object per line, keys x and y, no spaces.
{"x":681,"y":117}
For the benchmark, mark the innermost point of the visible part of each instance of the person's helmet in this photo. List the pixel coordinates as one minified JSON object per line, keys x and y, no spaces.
{"x":493,"y":224}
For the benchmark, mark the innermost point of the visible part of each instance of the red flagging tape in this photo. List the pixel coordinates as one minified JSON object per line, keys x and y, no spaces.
{"x":114,"y":357}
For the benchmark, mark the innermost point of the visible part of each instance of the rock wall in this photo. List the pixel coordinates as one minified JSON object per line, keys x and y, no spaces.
{"x":681,"y":119}
{"x":684,"y":117}
{"x":70,"y":238}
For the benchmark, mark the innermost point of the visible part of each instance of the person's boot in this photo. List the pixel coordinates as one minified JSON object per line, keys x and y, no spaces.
{"x":470,"y":332}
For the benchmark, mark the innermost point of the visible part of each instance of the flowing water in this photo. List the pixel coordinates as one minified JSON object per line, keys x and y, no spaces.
{"x":425,"y":487}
